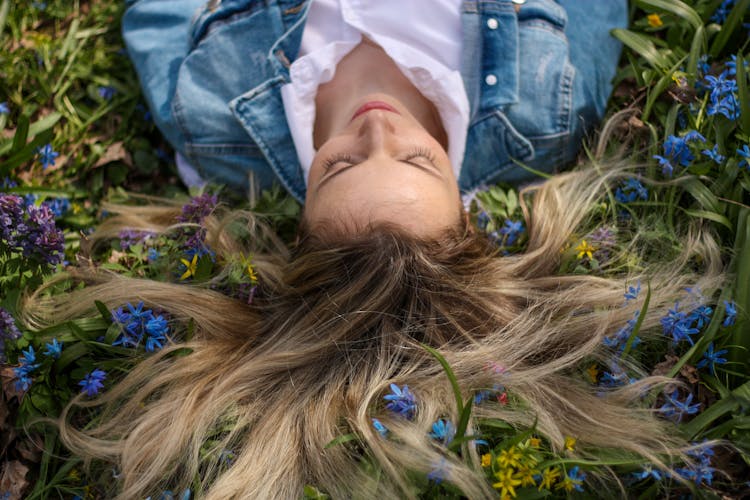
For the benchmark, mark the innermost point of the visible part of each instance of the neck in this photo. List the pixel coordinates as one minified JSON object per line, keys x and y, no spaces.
{"x":366,"y":70}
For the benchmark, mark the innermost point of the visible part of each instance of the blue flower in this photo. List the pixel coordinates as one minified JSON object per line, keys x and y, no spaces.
{"x":744,"y":152}
{"x":633,"y":292}
{"x":711,"y":358}
{"x":631,"y":190}
{"x":54,"y":349}
{"x":511,"y":229}
{"x":732,"y":66}
{"x":730,"y":313}
{"x":722,"y":11}
{"x":92,"y":382}
{"x":153,"y":254}
{"x":443,"y":430}
{"x":701,"y":470}
{"x":439,"y":471}
{"x":676,"y":409}
{"x":713,"y":153}
{"x":694,"y":135}
{"x":106,"y":92}
{"x":401,"y":401}
{"x":47,"y":156}
{"x":577,"y":477}
{"x":620,"y":338}
{"x":378,"y":425}
{"x":666,"y":167}
{"x":4,"y":109}
{"x":648,"y":471}
{"x":677,"y":324}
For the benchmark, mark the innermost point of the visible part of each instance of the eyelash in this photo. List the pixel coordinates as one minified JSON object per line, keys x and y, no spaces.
{"x":415,"y":153}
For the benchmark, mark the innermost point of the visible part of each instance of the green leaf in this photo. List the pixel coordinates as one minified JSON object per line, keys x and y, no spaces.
{"x":22,"y":133}
{"x":675,"y":7}
{"x":701,"y":193}
{"x":71,"y":353}
{"x":697,"y":48}
{"x":104,"y":311}
{"x":741,"y":395}
{"x":639,"y":322}
{"x":451,"y":376}
{"x":346,"y":438}
{"x":734,"y":19}
{"x":743,"y":94}
{"x":643,"y":46}
{"x":704,"y":214}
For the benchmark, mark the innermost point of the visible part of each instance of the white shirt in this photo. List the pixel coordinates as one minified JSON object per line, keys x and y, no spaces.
{"x":423,"y":37}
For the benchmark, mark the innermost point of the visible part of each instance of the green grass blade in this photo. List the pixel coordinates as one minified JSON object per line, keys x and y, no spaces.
{"x":733,"y":21}
{"x":704,"y":214}
{"x":637,"y":327}
{"x":4,"y":8}
{"x":697,"y":48}
{"x":643,"y":46}
{"x":346,"y":438}
{"x":701,"y":193}
{"x":675,"y":7}
{"x":451,"y":376}
{"x":743,"y":94}
{"x":22,"y":133}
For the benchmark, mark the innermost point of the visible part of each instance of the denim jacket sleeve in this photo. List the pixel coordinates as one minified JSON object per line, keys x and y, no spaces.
{"x":156,"y":37}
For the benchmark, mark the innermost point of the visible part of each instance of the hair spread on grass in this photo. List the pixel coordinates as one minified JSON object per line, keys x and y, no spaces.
{"x":339,"y":318}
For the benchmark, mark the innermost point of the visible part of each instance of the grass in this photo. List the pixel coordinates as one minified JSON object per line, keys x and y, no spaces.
{"x":66,"y":82}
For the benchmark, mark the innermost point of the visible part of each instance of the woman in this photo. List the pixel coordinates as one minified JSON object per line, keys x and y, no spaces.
{"x":474,"y":85}
{"x":386,"y":261}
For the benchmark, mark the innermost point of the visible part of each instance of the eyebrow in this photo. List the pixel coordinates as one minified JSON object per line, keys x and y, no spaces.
{"x":432,"y":171}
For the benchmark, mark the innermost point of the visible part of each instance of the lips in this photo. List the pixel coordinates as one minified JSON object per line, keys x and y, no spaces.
{"x":369,"y":106}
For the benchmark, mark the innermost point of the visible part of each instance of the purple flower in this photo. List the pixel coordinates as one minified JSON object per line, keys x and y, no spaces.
{"x":198,"y":208}
{"x":603,"y":239}
{"x":713,"y":153}
{"x":92,"y":382}
{"x":11,"y":217}
{"x":8,"y":328}
{"x":40,"y":239}
{"x":401,"y":401}
{"x":130,"y":237}
{"x":47,"y":155}
{"x":711,"y":358}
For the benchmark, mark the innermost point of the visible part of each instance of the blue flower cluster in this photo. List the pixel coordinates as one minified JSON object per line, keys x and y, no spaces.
{"x":137,"y":323}
{"x":8,"y":331}
{"x":509,"y":233}
{"x":677,"y":151}
{"x":631,"y":190}
{"x":722,"y":11}
{"x":699,"y":471}
{"x":681,"y":325}
{"x":92,"y":383}
{"x":30,"y":230}
{"x":722,"y":95}
{"x":401,"y":401}
{"x":619,"y":339}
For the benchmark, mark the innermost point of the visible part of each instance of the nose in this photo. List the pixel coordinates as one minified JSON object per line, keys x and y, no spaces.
{"x":376,"y":130}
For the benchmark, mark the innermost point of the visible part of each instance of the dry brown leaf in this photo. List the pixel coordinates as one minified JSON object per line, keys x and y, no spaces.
{"x":115,"y":152}
{"x":31,"y":448}
{"x":13,"y":479}
{"x":8,"y":379}
{"x":665,"y":366}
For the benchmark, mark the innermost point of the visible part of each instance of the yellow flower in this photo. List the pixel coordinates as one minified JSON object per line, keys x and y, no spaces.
{"x":510,"y":457}
{"x":593,"y":373}
{"x":506,"y":482}
{"x":526,"y":475}
{"x":76,"y":208}
{"x":585,"y":249}
{"x":570,"y":443}
{"x":654,"y":20}
{"x":549,"y":476}
{"x":74,"y":475}
{"x":191,"y":267}
{"x":535,"y":442}
{"x":486,"y":460}
{"x":568,"y":484}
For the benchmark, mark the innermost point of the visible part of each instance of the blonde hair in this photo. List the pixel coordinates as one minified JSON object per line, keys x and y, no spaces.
{"x":336,"y":321}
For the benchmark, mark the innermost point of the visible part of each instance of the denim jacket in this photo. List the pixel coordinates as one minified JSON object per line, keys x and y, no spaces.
{"x":537,"y":78}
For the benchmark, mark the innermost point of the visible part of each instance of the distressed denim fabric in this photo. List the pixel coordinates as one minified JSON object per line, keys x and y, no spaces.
{"x":536,"y":79}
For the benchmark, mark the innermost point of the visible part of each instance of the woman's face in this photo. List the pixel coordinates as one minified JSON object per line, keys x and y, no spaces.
{"x":381,"y":164}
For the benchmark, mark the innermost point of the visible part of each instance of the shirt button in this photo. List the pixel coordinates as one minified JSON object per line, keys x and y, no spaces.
{"x":490,"y":80}
{"x":492,"y":23}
